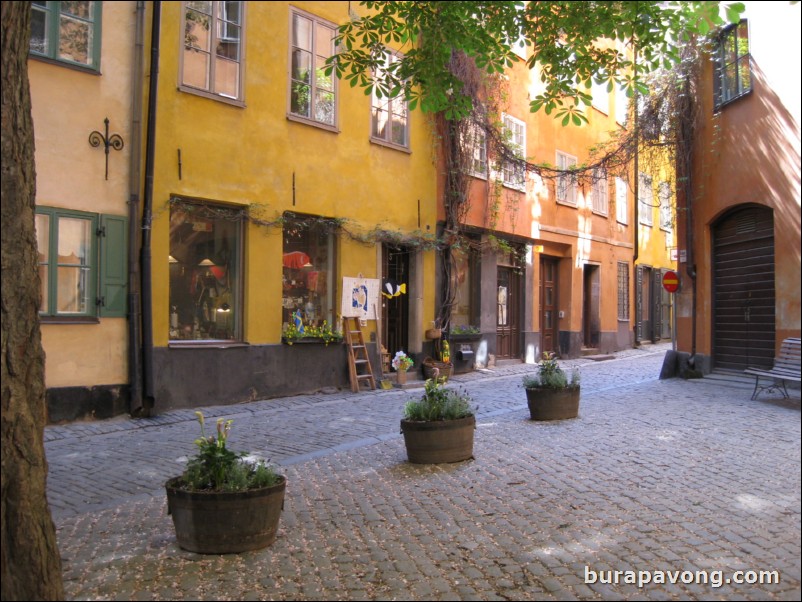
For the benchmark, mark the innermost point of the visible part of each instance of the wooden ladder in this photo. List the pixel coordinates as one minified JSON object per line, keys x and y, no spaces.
{"x":359,"y":366}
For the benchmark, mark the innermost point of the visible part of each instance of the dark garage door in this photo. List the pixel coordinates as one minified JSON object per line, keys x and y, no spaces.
{"x":743,"y":289}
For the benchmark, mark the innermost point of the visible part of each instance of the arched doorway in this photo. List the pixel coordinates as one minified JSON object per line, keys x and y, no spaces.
{"x":743,"y":289}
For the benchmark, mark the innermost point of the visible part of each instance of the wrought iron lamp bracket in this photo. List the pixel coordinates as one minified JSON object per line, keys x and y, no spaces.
{"x":114,"y":141}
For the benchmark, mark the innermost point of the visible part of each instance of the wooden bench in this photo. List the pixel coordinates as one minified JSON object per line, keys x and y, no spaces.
{"x":786,"y":367}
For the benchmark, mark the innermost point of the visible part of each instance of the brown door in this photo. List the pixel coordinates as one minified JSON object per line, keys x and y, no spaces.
{"x":395,"y":310}
{"x":643,"y":303}
{"x":743,"y":289}
{"x":591,"y":302}
{"x":548,"y":304}
{"x":508,"y":314}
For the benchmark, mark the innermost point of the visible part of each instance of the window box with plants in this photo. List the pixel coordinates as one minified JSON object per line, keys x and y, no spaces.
{"x":467,"y":332}
{"x":224,"y":503}
{"x":298,"y":332}
{"x":439,"y":427}
{"x":550,"y":393}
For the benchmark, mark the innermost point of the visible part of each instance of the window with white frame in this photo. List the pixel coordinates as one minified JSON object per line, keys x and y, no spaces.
{"x":389,"y":116}
{"x":599,"y":192}
{"x":621,"y":208}
{"x":621,"y":105}
{"x":664,"y":196}
{"x":313,"y":94}
{"x":566,"y":183}
{"x":600,"y":96}
{"x":514,"y":172}
{"x":68,"y":32}
{"x":733,"y":73}
{"x":645,"y":200}
{"x":475,"y":145}
{"x":623,"y":291}
{"x":212,"y":56}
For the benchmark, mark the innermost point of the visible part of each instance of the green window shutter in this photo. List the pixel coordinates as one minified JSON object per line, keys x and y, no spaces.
{"x":113,"y":266}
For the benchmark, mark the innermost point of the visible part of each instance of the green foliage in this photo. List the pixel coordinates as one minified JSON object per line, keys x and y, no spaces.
{"x":324,"y":332}
{"x":439,"y":403}
{"x":549,"y":375}
{"x":217,"y":468}
{"x":560,"y":37}
{"x":465,"y":329}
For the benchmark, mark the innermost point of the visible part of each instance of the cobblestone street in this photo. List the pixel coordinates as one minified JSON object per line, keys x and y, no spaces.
{"x":653,"y":477}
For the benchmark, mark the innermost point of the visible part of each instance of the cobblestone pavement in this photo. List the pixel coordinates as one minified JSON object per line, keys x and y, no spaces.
{"x":667,"y":479}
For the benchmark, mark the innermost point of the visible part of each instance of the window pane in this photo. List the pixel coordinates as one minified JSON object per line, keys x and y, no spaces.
{"x":77,"y":9}
{"x":302,"y":66}
{"x":196,"y":68}
{"x":197,"y":31}
{"x":226,"y":78}
{"x":228,"y":47}
{"x":380,"y":119}
{"x":308,"y":273}
{"x":75,"y":40}
{"x":39,"y":42}
{"x":323,"y":81}
{"x":74,"y":248}
{"x":324,"y":39}
{"x":324,"y":107}
{"x":231,"y":12}
{"x":399,"y":130}
{"x":302,"y":32}
{"x":299,"y":101}
{"x":744,"y":75}
{"x":205,"y":274}
{"x":43,"y":245}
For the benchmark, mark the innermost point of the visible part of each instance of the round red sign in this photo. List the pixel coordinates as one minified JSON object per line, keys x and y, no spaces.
{"x":671,"y":281}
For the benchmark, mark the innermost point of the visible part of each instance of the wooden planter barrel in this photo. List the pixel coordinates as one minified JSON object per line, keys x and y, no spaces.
{"x":439,"y":441}
{"x":218,"y":522}
{"x":553,"y":404}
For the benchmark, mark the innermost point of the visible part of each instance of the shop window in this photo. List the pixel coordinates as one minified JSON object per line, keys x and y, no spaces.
{"x":462,"y":282}
{"x":308,"y":282}
{"x":205,"y":272}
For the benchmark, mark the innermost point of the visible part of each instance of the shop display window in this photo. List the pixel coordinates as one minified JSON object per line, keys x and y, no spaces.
{"x":205,"y":272}
{"x":308,"y":284}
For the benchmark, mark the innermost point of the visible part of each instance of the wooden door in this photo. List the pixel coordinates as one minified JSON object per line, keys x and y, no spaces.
{"x":549,"y":313}
{"x":508,"y":317}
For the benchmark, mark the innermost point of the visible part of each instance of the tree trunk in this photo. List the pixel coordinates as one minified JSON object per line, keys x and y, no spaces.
{"x":31,"y":566}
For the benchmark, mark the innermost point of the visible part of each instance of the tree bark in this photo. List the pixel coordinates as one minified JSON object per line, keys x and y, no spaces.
{"x":31,"y":566}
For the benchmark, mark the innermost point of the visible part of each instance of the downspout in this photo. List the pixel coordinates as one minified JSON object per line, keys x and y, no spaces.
{"x":134,"y":309}
{"x":147,"y":214}
{"x":636,"y":204}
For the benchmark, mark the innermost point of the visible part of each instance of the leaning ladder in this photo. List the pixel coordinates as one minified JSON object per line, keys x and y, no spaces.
{"x":359,"y":367}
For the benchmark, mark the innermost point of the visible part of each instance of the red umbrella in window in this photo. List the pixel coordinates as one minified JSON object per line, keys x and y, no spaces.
{"x":296,"y":260}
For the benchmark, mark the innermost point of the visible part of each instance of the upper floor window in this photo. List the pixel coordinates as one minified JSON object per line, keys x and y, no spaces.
{"x":645,"y":200}
{"x":566,"y":183}
{"x":733,"y":72}
{"x":599,"y":191}
{"x":514,"y":172}
{"x":67,"y":31}
{"x":664,"y":196}
{"x":82,"y":263}
{"x":600,"y":96}
{"x":389,"y":116}
{"x":212,"y":60}
{"x":621,"y":209}
{"x":313,"y":94}
{"x":474,"y":143}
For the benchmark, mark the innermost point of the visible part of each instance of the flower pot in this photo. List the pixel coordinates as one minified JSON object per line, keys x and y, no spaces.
{"x":221,"y":522}
{"x":401,"y":377}
{"x":429,"y":366}
{"x":553,"y":404}
{"x":439,"y":441}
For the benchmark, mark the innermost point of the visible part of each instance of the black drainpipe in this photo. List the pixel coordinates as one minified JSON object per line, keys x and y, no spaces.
{"x":134,"y":309}
{"x":147,"y":216}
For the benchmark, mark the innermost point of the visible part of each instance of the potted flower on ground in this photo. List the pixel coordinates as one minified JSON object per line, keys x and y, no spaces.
{"x":224,"y":503}
{"x":401,"y":363}
{"x":439,"y":427}
{"x":550,"y":394}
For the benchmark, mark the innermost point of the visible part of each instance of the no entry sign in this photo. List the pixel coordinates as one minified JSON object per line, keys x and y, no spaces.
{"x":671,"y":281}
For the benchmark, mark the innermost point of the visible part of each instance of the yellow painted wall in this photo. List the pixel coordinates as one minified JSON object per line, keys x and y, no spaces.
{"x":67,"y":105}
{"x":249,"y":155}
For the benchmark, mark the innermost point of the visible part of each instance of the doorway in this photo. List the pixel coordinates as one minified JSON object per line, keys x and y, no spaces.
{"x":508,"y":328}
{"x":643,"y":304}
{"x":743,"y":289}
{"x":549,"y":313}
{"x":591,"y":302}
{"x":395,"y":310}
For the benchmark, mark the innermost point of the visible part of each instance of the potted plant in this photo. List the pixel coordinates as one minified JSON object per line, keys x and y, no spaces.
{"x":401,"y":363}
{"x":550,"y":393}
{"x":439,"y":427}
{"x":224,"y":503}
